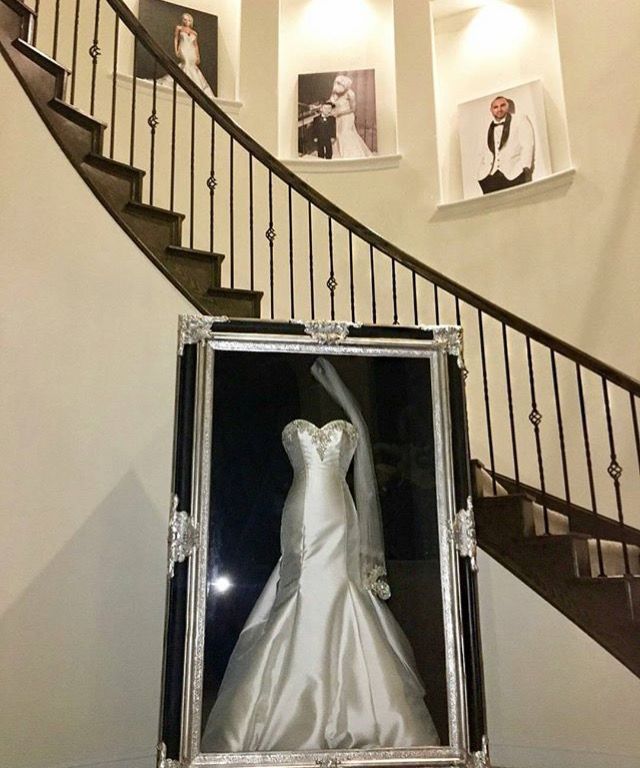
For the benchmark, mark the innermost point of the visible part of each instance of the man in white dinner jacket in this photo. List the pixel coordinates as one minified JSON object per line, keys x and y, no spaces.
{"x":507,"y":155}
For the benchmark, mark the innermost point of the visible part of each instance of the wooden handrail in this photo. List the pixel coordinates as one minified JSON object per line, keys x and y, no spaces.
{"x":240,"y":136}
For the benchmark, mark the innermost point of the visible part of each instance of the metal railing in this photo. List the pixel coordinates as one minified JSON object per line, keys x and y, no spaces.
{"x":542,"y":412}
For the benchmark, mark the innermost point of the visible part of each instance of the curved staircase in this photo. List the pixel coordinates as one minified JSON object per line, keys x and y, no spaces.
{"x":583,"y":558}
{"x":119,"y":186}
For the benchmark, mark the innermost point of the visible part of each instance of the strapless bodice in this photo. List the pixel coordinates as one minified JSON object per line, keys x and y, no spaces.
{"x":331,"y":445}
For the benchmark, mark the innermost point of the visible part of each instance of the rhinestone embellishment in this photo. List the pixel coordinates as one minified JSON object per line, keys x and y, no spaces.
{"x":376,"y":582}
{"x":321,"y":437}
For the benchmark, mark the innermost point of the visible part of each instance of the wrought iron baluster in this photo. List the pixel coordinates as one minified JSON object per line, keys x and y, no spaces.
{"x":458,"y":311}
{"x":352,"y":295}
{"x":152,"y":122}
{"x":134,"y":91}
{"x":114,"y":86}
{"x":394,"y":292}
{"x":311,"y":287}
{"x":587,"y":453}
{"x":414,"y":289}
{"x":636,"y":432}
{"x":535,"y":417}
{"x":331,"y":282}
{"x":94,"y":52}
{"x":270,"y":234}
{"x":172,"y":170}
{"x":74,"y":54}
{"x":487,"y":403}
{"x":34,"y":38}
{"x":212,"y":184}
{"x":436,"y":304}
{"x":291,"y":281}
{"x":251,"y":227}
{"x":232,"y":258}
{"x":614,"y":470}
{"x":192,"y":175}
{"x":512,"y":423}
{"x":563,"y":451}
{"x":372,"y":269}
{"x":56,"y":30}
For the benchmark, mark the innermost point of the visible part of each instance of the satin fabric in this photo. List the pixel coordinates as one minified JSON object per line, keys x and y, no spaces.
{"x":321,"y":663}
{"x":188,"y":58}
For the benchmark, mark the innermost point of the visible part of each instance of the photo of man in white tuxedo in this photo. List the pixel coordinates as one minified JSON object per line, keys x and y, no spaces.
{"x":507,"y":156}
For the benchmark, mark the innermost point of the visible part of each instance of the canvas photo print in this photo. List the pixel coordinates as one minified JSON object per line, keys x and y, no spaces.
{"x":188,"y":36}
{"x":337,"y":114}
{"x":503,"y":140}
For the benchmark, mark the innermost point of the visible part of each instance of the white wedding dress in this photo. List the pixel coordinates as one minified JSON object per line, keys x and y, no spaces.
{"x":188,"y":58}
{"x":321,"y":663}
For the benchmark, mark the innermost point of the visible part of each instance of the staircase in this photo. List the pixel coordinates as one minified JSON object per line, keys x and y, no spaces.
{"x":584,"y":561}
{"x":119,"y":186}
{"x":594,"y":581}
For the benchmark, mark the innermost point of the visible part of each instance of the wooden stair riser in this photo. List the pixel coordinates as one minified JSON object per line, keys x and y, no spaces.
{"x":232,"y":303}
{"x":83,"y":122}
{"x":196,"y":273}
{"x":156,"y":232}
{"x":117,"y":190}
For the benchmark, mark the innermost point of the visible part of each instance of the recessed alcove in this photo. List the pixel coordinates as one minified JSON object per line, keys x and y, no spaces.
{"x":323,"y":36}
{"x":483,"y":47}
{"x":229,"y":18}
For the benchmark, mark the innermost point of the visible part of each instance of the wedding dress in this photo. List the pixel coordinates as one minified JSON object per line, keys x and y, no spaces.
{"x":321,"y":662}
{"x":349,"y":143}
{"x":188,"y":56}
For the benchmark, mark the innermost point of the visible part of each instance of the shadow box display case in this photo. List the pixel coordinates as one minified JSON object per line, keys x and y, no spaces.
{"x":321,"y":601}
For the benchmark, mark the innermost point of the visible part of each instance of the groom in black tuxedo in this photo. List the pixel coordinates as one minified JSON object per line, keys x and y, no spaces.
{"x":324,"y":131}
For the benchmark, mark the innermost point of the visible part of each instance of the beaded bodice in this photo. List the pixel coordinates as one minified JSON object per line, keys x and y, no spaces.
{"x":308,"y":445}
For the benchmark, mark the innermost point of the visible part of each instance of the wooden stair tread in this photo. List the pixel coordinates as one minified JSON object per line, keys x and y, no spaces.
{"x":77,"y":115}
{"x":42,"y":59}
{"x":101,"y":161}
{"x":196,"y":253}
{"x":154,"y":211}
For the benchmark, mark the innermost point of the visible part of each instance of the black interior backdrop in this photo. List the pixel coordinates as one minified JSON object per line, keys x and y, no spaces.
{"x":160,"y":19}
{"x":255,"y":396}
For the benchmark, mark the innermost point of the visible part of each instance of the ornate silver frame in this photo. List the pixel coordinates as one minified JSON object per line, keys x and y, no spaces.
{"x":456,"y":539}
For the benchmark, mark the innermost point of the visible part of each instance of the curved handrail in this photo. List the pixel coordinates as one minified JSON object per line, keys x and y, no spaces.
{"x":368,"y":235}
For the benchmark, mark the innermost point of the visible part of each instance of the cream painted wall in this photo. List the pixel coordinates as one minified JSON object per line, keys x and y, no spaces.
{"x":88,"y":330}
{"x":90,"y":425}
{"x":472,"y":58}
{"x":315,"y":41}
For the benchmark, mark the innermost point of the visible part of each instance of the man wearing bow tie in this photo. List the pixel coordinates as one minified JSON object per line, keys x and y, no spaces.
{"x":324,"y":131}
{"x":507,"y":155}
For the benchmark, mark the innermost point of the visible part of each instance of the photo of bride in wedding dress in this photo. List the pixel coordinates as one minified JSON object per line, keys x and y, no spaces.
{"x":187,"y":50}
{"x":352,"y":96}
{"x":192,"y":42}
{"x":321,"y":661}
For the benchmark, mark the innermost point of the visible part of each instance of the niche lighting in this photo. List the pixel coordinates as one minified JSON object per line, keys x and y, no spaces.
{"x":222,"y":584}
{"x":338,"y":20}
{"x":498,"y":29}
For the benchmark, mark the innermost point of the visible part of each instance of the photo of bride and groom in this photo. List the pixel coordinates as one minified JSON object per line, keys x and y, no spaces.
{"x":337,"y":114}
